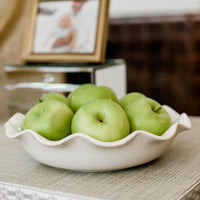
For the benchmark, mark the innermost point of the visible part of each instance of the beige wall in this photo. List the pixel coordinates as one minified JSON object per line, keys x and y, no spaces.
{"x":132,"y":8}
{"x":10,"y":52}
{"x":2,"y":5}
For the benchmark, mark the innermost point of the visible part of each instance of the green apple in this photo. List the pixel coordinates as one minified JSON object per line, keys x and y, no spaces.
{"x":86,"y":85}
{"x":148,"y":115}
{"x":51,"y":119}
{"x":125,"y":100}
{"x":89,"y":92}
{"x":102,"y":119}
{"x":54,"y":96}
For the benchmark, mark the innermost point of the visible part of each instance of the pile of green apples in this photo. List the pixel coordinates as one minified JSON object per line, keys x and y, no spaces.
{"x":96,"y":111}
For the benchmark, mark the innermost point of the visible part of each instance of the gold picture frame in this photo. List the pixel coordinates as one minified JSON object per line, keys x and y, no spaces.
{"x":90,"y":27}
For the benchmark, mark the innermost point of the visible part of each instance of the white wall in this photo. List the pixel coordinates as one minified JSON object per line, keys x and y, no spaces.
{"x":126,"y":8}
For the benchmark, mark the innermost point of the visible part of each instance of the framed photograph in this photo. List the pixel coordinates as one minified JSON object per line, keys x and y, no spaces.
{"x":73,"y":31}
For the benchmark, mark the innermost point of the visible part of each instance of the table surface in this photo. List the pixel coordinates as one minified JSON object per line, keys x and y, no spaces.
{"x":174,"y":175}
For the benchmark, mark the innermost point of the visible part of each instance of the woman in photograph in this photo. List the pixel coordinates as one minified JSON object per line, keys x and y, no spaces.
{"x":84,"y":30}
{"x":66,"y":27}
{"x":63,"y":30}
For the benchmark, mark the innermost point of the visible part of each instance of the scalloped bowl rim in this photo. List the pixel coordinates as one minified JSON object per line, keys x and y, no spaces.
{"x":177,"y":120}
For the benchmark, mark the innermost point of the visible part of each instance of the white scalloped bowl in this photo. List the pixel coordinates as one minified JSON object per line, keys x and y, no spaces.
{"x":84,"y":153}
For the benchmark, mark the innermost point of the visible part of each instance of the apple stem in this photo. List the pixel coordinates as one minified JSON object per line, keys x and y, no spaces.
{"x":98,"y":119}
{"x":40,"y":100}
{"x":159,"y":108}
